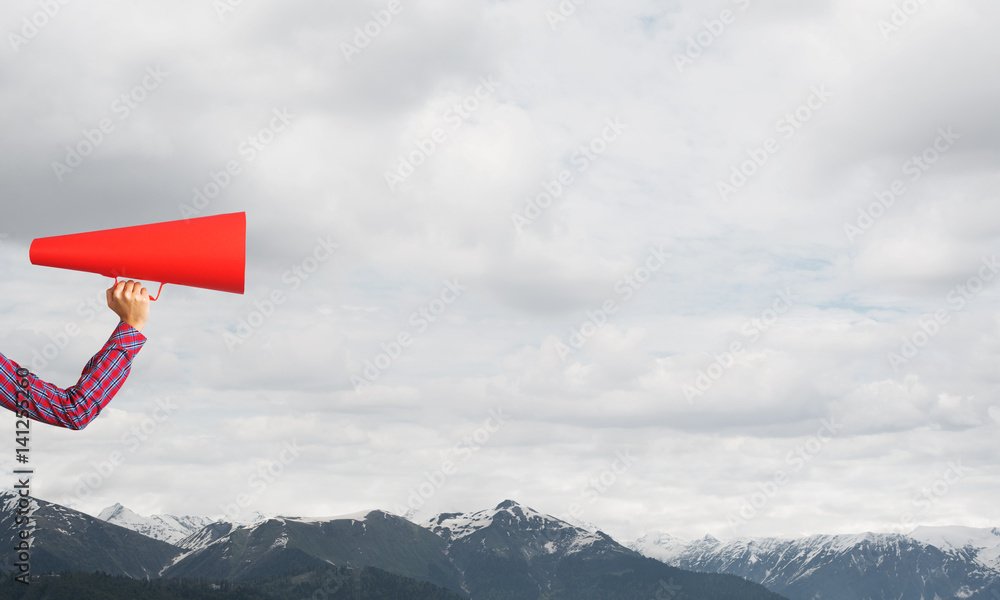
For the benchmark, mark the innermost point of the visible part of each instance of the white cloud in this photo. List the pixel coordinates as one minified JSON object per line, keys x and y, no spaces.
{"x":497,"y":345}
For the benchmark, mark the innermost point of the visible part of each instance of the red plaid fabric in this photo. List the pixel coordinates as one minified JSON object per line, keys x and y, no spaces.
{"x":77,"y":406}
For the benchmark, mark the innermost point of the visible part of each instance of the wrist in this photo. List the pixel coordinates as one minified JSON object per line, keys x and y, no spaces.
{"x":137,"y":325}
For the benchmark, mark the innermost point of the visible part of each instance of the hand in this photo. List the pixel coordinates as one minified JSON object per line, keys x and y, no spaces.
{"x":130,"y":301}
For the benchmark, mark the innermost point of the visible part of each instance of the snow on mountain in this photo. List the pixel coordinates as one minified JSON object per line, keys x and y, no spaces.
{"x":166,"y":528}
{"x":66,"y":539}
{"x":931,"y":563}
{"x":456,"y":526}
{"x":250,"y":520}
{"x":981,"y":545}
{"x":358,"y":516}
{"x":661,"y":546}
{"x":205,"y":536}
{"x":536,"y":555}
{"x":217,"y":530}
{"x":460,"y":525}
{"x":859,"y":550}
{"x":272,"y":547}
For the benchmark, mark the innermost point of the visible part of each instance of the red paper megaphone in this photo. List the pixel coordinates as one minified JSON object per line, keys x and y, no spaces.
{"x":206,"y":252}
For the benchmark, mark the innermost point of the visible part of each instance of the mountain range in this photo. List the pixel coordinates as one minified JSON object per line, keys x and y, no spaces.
{"x":510,"y":552}
{"x":166,"y":528}
{"x":514,"y":552}
{"x":930,"y":562}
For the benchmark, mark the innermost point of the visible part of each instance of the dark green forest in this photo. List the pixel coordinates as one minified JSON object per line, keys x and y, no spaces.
{"x":324,"y":584}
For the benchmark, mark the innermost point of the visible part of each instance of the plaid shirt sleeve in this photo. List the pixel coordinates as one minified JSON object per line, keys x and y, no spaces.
{"x":77,"y":406}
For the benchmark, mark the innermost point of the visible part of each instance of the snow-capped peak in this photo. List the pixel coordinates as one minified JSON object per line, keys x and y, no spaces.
{"x":456,"y":526}
{"x":167,"y":528}
{"x":119,"y":515}
{"x":516,"y":519}
{"x":983,"y":544}
{"x":249,"y":521}
{"x":111,"y":511}
{"x":661,"y":546}
{"x":358,"y":516}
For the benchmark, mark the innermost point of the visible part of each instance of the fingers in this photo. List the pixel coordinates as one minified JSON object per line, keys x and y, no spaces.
{"x":115,"y":292}
{"x":127,"y":291}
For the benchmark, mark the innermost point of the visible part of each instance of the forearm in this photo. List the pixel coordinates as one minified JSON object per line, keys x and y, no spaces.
{"x":101,"y":379}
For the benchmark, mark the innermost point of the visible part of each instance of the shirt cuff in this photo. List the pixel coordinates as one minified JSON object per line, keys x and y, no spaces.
{"x":128,"y":338}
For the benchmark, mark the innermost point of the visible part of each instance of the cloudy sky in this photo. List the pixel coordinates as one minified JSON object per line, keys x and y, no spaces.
{"x":717,"y":267}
